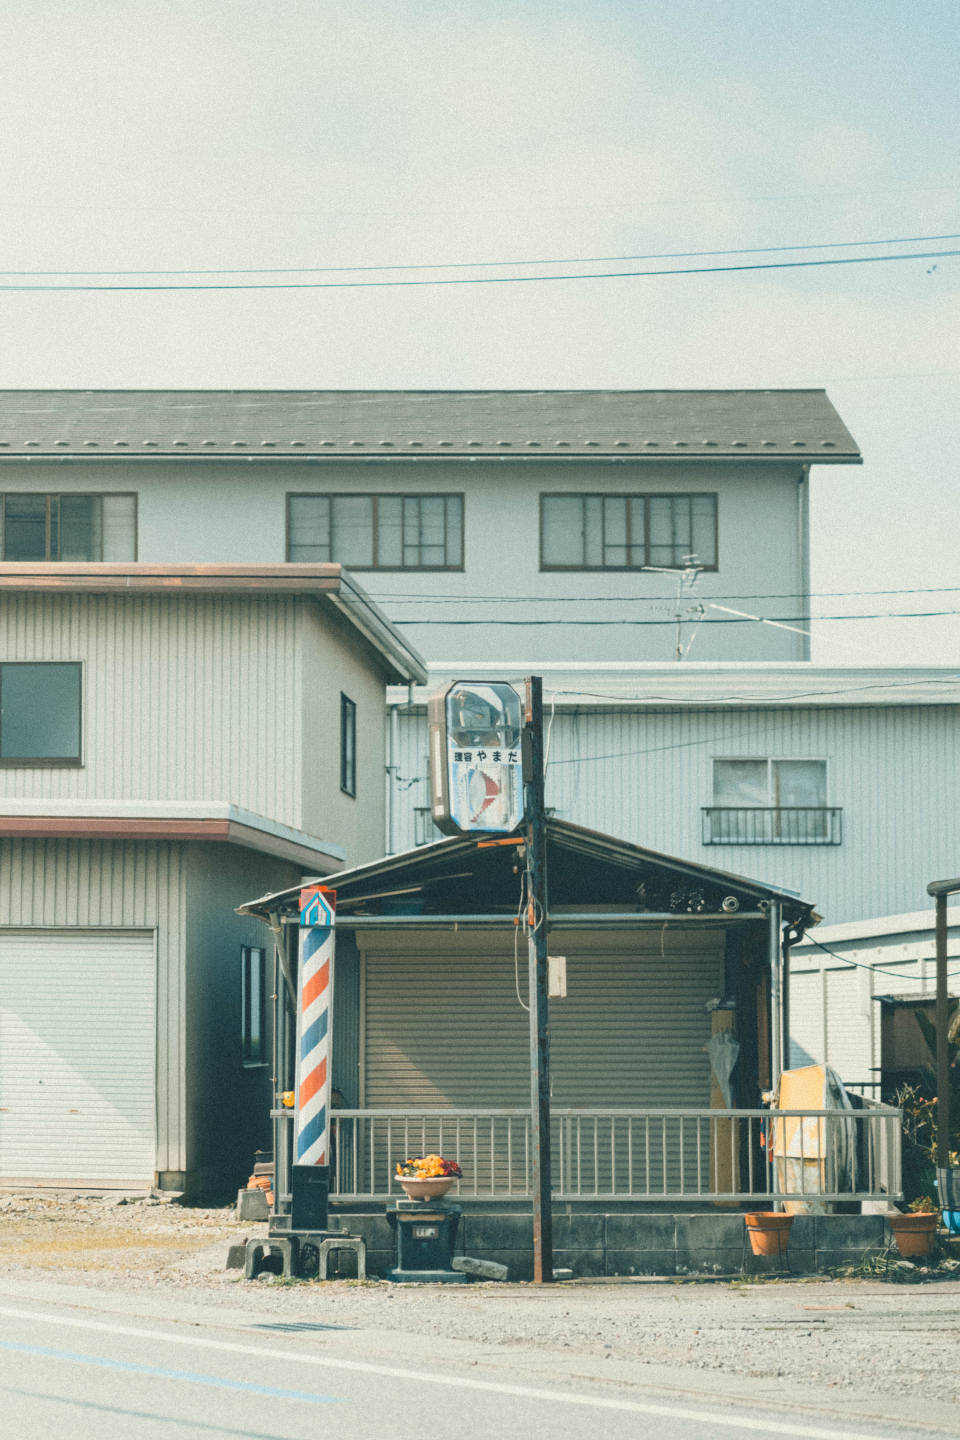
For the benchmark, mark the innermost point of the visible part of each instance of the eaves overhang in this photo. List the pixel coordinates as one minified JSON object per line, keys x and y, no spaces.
{"x":329,"y":585}
{"x":441,"y":862}
{"x":211,"y":821}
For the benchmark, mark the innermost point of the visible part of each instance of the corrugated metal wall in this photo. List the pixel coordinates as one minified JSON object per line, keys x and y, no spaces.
{"x":645,"y":775}
{"x":834,"y":1006}
{"x":185,"y":698}
{"x":442,"y":1024}
{"x":129,"y":885}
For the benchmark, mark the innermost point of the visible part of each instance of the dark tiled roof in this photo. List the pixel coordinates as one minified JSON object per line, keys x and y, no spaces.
{"x":664,"y":424}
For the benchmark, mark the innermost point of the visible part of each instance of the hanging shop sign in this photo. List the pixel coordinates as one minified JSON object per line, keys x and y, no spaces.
{"x":476,"y":781}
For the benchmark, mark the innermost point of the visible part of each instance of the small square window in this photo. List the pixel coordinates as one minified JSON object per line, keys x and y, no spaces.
{"x":253,"y":972}
{"x":348,"y":746}
{"x":40,"y":714}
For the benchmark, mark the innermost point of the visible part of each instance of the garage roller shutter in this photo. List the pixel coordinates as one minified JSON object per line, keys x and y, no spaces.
{"x":443,"y":1026}
{"x":77,"y":1056}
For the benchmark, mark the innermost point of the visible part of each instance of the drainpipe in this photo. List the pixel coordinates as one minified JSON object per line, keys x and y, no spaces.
{"x":391,"y":767}
{"x":776,"y":1019}
{"x":803,"y":533}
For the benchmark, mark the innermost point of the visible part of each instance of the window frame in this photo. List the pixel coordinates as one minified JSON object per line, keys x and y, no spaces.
{"x":59,"y":495}
{"x":348,"y":746}
{"x":773,"y":805}
{"x":253,"y":1056}
{"x":49,"y":762}
{"x":374,"y":496}
{"x":627,"y":496}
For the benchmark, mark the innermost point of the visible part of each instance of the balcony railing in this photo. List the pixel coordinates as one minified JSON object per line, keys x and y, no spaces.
{"x":672,"y":1155}
{"x":772,"y":825}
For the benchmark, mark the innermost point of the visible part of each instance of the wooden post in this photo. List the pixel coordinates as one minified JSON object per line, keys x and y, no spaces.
{"x":943,"y":1049}
{"x":536,"y":857}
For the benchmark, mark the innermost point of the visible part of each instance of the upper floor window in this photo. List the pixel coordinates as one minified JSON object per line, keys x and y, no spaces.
{"x":68,"y":527}
{"x":771,"y":802}
{"x":39,"y":714}
{"x":627,"y":532}
{"x":377,"y":532}
{"x":348,"y":745}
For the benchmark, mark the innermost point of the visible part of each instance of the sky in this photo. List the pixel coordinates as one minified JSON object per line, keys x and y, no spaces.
{"x":200,"y":136}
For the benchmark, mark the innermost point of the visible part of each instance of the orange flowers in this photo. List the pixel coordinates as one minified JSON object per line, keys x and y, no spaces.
{"x":427,"y":1167}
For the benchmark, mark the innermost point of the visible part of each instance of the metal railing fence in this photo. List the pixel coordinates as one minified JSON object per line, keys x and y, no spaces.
{"x":675,"y":1155}
{"x":772,"y":825}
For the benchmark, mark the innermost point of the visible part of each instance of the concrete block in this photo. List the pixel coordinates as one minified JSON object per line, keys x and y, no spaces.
{"x":849,"y":1232}
{"x":374,"y":1227}
{"x":379,"y":1261}
{"x":579,"y":1262}
{"x":833,"y":1259}
{"x":482,"y":1269}
{"x":640,"y":1232}
{"x":803,"y":1233}
{"x":709,"y":1232}
{"x":579,"y":1232}
{"x":721,"y":1260}
{"x":236,"y":1256}
{"x":252,"y":1205}
{"x":334,"y":1247}
{"x":641,"y":1262}
{"x":802,"y":1259}
{"x":480,"y":1233}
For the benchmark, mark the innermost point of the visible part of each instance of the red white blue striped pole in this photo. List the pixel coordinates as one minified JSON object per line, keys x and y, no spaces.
{"x":311,"y":1142}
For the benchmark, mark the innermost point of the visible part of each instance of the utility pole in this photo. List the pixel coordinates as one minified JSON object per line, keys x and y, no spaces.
{"x":536,"y":858}
{"x":940,"y":889}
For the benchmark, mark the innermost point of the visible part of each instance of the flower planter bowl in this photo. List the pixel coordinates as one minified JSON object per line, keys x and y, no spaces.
{"x":914,"y":1234}
{"x":769,"y":1231}
{"x":429,"y":1189}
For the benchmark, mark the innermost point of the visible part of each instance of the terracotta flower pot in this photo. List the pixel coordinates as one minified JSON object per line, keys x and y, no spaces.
{"x":430,"y":1189}
{"x":914,"y":1234}
{"x":769,"y":1231}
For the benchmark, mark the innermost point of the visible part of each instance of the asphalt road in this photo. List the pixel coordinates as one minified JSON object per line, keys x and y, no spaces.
{"x":94,"y":1366}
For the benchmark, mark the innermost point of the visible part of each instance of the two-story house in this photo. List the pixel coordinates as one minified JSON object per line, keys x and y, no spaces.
{"x":171,"y":736}
{"x":511,"y":526}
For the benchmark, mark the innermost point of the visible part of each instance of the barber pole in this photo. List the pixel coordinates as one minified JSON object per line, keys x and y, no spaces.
{"x":314,"y":1015}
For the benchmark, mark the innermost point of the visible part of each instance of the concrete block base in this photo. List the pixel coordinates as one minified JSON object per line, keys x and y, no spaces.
{"x":589,"y":1240}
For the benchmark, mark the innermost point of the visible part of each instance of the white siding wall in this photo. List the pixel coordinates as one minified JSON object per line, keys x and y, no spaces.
{"x":644,"y":776}
{"x":834,"y":1015}
{"x":185,"y":698}
{"x":225,"y":511}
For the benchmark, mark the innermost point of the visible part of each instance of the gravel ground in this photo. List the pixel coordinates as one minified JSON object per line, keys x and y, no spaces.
{"x":877,"y":1337}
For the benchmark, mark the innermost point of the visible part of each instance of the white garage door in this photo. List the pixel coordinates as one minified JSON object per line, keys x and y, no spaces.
{"x":77,"y":1056}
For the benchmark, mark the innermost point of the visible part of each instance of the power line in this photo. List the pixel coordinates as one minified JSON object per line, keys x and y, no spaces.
{"x":671,"y":619}
{"x":861,"y":965}
{"x":409,"y":597}
{"x":495,"y":279}
{"x":497,"y":264}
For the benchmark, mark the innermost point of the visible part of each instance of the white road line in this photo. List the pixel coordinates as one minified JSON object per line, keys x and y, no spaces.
{"x":493,"y":1387}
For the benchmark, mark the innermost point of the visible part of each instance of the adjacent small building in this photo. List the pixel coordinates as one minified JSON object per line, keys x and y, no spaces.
{"x":170,"y":736}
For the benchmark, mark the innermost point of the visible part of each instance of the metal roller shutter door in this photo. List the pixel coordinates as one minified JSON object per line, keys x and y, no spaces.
{"x":442,"y":1025}
{"x":77,"y":1056}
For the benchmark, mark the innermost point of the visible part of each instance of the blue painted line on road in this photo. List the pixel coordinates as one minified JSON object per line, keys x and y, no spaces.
{"x":131,"y":1367}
